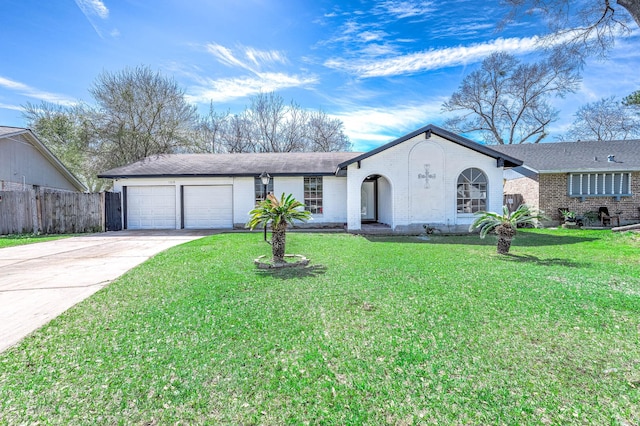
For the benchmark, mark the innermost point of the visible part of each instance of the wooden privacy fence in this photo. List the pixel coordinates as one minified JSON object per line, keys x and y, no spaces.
{"x":51,"y":212}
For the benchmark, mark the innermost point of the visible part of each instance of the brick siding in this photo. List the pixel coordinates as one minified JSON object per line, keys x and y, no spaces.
{"x":554,"y":190}
{"x":528,"y":188}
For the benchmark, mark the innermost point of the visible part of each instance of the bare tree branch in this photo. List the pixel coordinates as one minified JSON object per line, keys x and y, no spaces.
{"x":586,"y":27}
{"x":603,"y":120}
{"x":506,"y":101}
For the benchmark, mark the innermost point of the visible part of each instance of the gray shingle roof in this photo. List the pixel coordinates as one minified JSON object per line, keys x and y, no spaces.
{"x":561,"y":157}
{"x":276,"y":164}
{"x":291,"y":163}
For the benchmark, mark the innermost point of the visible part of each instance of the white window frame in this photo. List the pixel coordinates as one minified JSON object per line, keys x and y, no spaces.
{"x":606,"y":184}
{"x":313,"y":194}
{"x":259,"y":187}
{"x":469,"y":186}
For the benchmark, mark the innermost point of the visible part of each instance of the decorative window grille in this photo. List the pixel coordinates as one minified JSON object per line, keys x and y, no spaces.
{"x":599,"y":184}
{"x":472,"y":191}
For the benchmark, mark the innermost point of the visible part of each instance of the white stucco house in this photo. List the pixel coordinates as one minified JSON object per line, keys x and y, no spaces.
{"x":428,"y":177}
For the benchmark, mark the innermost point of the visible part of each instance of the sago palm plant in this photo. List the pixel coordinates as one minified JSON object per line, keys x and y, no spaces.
{"x":505,"y":224}
{"x":278,"y":213}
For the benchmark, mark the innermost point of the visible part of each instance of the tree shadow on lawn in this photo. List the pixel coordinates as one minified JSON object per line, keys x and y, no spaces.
{"x":542,"y":262}
{"x":522,"y":239}
{"x":290,"y":273}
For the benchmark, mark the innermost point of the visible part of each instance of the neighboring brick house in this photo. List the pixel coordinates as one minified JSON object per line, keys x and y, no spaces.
{"x":26,"y":164}
{"x":579,"y":176}
{"x":428,"y":177}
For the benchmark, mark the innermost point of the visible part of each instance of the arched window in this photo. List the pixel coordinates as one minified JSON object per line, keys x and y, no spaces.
{"x":472,"y":191}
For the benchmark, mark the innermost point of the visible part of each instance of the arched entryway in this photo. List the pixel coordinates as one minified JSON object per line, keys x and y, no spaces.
{"x":376,"y":201}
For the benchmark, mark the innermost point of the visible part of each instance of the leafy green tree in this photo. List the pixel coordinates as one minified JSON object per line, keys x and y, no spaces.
{"x":632,"y":100}
{"x":505,"y":224}
{"x":279,"y":214}
{"x":61,"y":129}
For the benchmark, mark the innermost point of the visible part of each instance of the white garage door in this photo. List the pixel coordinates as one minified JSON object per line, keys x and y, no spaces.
{"x":151,"y":207}
{"x":208,"y":207}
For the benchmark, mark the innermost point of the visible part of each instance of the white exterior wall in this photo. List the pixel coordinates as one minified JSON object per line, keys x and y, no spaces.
{"x":293,"y":185}
{"x":385,"y":210}
{"x":463,"y":159}
{"x":417,"y":186}
{"x":177,"y":183}
{"x":334,"y":201}
{"x":334,"y":206}
{"x":243,"y":198}
{"x":412,"y":203}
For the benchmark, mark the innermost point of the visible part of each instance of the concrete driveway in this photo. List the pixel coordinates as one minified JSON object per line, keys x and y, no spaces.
{"x":40,"y":281}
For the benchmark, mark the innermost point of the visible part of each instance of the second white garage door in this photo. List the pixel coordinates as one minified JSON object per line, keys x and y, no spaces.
{"x":208,"y":207}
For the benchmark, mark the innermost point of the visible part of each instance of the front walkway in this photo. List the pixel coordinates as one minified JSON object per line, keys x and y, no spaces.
{"x":40,"y":281}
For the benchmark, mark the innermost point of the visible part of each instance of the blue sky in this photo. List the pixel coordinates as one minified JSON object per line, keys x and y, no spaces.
{"x":384,"y":68}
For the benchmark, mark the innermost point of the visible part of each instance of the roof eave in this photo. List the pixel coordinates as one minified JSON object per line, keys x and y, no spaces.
{"x":508,"y":161}
{"x":55,"y":161}
{"x":207,"y":175}
{"x":589,"y":170}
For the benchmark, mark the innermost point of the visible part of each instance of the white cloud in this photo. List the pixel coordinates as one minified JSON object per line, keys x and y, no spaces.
{"x":248,"y":58}
{"x":432,"y":59}
{"x":11,"y":107}
{"x":253,"y":61}
{"x":93,"y":8}
{"x":371,"y":127}
{"x":97,"y":14}
{"x":369,"y":36}
{"x":225,"y":56}
{"x":31,"y":92}
{"x":378,"y":50}
{"x":462,"y":30}
{"x":407,"y":9}
{"x":232,"y":88}
{"x":259,"y":57}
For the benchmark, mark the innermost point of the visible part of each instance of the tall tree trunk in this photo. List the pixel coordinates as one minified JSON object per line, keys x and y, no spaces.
{"x":278,"y":241}
{"x":633,"y":7}
{"x":505,"y":235}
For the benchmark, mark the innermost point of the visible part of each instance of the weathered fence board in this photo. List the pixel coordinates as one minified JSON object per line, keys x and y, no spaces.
{"x":17,"y":212}
{"x":51,"y":212}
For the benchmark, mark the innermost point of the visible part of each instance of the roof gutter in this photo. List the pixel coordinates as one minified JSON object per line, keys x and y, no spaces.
{"x":211,"y":175}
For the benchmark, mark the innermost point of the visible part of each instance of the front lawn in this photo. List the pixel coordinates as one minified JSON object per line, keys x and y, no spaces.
{"x":376,"y":331}
{"x":22,"y":239}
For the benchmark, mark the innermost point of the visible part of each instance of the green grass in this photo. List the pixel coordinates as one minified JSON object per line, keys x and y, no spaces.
{"x":22,"y":239}
{"x":376,"y":331}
